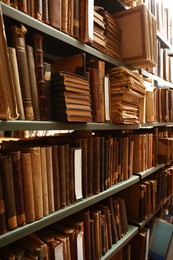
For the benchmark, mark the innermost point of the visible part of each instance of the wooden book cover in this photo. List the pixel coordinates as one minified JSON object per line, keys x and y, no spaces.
{"x":16,"y":80}
{"x":18,"y":187}
{"x":50,"y":183}
{"x":39,"y":65}
{"x":44,"y":180}
{"x":20,"y":45}
{"x":3,"y":227}
{"x":62,"y":173}
{"x":55,"y":13}
{"x":9,"y":193}
{"x":28,"y":187}
{"x":56,"y":176}
{"x":33,"y":81}
{"x":8,"y":107}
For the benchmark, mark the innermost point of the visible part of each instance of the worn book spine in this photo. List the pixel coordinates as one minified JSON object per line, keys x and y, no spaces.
{"x":37,"y":182}
{"x":18,"y":187}
{"x":9,"y":193}
{"x":3,"y":226}
{"x":55,"y":13}
{"x":38,"y":50}
{"x":45,"y":7}
{"x":44,"y":181}
{"x":90,"y":166}
{"x":48,"y":89}
{"x":19,"y":43}
{"x":96,"y":165}
{"x":28,"y":187}
{"x":17,"y":87}
{"x":56,"y":177}
{"x":71,"y":175}
{"x":61,"y":159}
{"x":39,"y":10}
{"x":50,"y":178}
{"x":22,"y":5}
{"x":76,"y":20}
{"x":64,"y":16}
{"x":33,"y":81}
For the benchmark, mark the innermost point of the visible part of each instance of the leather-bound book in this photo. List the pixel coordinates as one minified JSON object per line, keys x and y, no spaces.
{"x":102,"y":163}
{"x":9,"y":194}
{"x":28,"y":187}
{"x":61,"y":159}
{"x":70,"y":17}
{"x":39,"y":10}
{"x":116,"y":207}
{"x":56,"y":177}
{"x":76,"y":20}
{"x":38,"y":50}
{"x":17,"y":87}
{"x":19,"y":43}
{"x":87,"y":233}
{"x":37,"y":182}
{"x":45,"y":7}
{"x":33,"y":81}
{"x":22,"y":5}
{"x":96,"y":165}
{"x":8,"y":105}
{"x":3,"y":227}
{"x":50,"y":183}
{"x":64,"y":16}
{"x":113,"y":223}
{"x":12,"y":252}
{"x":71,"y":176}
{"x":90,"y":162}
{"x":55,"y":13}
{"x":44,"y":180}
{"x":67,"y":172}
{"x":48,"y":89}
{"x":18,"y":187}
{"x":96,"y":216}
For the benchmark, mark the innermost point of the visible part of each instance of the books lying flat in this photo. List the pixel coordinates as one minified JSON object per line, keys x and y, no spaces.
{"x":71,"y":97}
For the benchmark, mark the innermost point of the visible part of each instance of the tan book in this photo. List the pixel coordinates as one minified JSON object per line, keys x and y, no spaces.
{"x":44,"y":180}
{"x":55,"y":13}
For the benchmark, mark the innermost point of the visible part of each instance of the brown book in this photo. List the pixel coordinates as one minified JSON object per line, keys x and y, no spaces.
{"x":19,"y":43}
{"x":17,"y":87}
{"x":76,"y":20}
{"x":12,"y":252}
{"x":71,"y":176}
{"x":70,"y":17}
{"x":8,"y":107}
{"x":96,"y":165}
{"x":18,"y":187}
{"x":61,"y":159}
{"x":3,"y":227}
{"x":9,"y":193}
{"x":28,"y":187}
{"x":22,"y":5}
{"x":44,"y":180}
{"x":33,"y":81}
{"x":55,"y":13}
{"x":39,"y":10}
{"x":56,"y":176}
{"x":38,"y":51}
{"x":45,"y":7}
{"x":50,"y":182}
{"x":113,"y":223}
{"x":90,"y":167}
{"x":37,"y":182}
{"x":64,"y":15}
{"x":96,"y":216}
{"x":48,"y":89}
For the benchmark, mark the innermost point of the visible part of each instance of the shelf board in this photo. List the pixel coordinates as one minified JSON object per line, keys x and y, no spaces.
{"x":147,"y":172}
{"x":56,"y":34}
{"x":121,"y":243}
{"x":165,"y":43}
{"x":20,"y":232}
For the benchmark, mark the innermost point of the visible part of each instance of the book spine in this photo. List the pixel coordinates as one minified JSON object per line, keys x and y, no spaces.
{"x":61,"y":159}
{"x":48,"y":89}
{"x":56,"y":177}
{"x":50,"y":178}
{"x":9,"y":194}
{"x":55,"y":13}
{"x":33,"y":81}
{"x":19,"y":42}
{"x":76,"y":20}
{"x":38,"y":49}
{"x":44,"y":181}
{"x":64,"y":16}
{"x":3,"y":227}
{"x":39,"y":10}
{"x":22,"y":4}
{"x":18,"y":187}
{"x":45,"y":4}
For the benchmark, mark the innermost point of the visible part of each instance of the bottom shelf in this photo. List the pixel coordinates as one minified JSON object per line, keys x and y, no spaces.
{"x":132,"y":231}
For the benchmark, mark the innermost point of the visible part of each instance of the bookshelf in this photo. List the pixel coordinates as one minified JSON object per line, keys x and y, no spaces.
{"x":74,"y":45}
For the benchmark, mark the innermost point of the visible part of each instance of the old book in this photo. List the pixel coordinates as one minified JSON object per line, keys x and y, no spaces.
{"x":18,"y":187}
{"x":8,"y":108}
{"x":22,"y":5}
{"x":67,"y":172}
{"x":61,"y":159}
{"x":28,"y":187}
{"x":71,"y":176}
{"x":20,"y":45}
{"x":3,"y":227}
{"x":76,"y":20}
{"x":17,"y":87}
{"x":39,"y":10}
{"x":44,"y":181}
{"x":113,"y":224}
{"x":96,"y":165}
{"x":74,"y":63}
{"x":33,"y":81}
{"x":55,"y":13}
{"x":45,"y":11}
{"x":48,"y":89}
{"x":70,"y":17}
{"x":96,"y":216}
{"x":56,"y":176}
{"x":9,"y":193}
{"x":12,"y":252}
{"x":39,"y":65}
{"x":90,"y":161}
{"x":50,"y":183}
{"x":64,"y":16}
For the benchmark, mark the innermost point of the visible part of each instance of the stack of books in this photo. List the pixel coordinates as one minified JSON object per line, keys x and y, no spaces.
{"x":112,"y":35}
{"x":127,"y":95}
{"x":71,"y":97}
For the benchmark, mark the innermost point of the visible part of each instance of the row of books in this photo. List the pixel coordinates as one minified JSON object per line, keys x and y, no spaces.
{"x":88,"y":235}
{"x":143,"y":199}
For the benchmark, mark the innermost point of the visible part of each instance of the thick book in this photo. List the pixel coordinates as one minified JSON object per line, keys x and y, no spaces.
{"x":9,"y":193}
{"x":19,"y":34}
{"x":55,"y":13}
{"x":8,"y":107}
